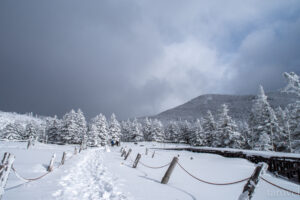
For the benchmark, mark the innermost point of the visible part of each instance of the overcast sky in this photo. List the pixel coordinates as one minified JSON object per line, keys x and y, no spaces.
{"x":140,"y":57}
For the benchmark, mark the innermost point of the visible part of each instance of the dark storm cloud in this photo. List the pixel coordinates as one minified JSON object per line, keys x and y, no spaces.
{"x":137,"y":58}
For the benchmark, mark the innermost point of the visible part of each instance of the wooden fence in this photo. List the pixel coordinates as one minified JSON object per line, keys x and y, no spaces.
{"x":287,"y":167}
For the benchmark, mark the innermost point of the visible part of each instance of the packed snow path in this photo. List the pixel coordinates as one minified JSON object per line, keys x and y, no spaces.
{"x":88,"y":180}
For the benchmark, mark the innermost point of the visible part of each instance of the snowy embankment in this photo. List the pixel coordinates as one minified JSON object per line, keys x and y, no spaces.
{"x":99,"y":174}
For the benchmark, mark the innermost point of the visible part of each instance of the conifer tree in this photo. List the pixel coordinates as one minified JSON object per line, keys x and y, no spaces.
{"x":263,"y":122}
{"x":172,"y":132}
{"x":294,"y":122}
{"x":126,"y":130}
{"x":69,"y":129}
{"x":227,"y":134}
{"x":114,"y":128}
{"x":136,"y":132}
{"x":209,"y":127}
{"x":197,"y":133}
{"x":31,"y":131}
{"x":157,"y":133}
{"x":81,"y":126}
{"x":101,"y":130}
{"x":147,"y":126}
{"x":53,"y":126}
{"x":185,"y":132}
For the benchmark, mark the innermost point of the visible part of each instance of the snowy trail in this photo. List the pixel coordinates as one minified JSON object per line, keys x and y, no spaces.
{"x":88,"y":180}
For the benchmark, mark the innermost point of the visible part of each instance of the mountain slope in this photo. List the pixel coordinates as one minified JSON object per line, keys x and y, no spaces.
{"x":239,"y":105}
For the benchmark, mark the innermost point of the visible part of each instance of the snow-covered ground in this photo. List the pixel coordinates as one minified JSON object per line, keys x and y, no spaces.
{"x":97,"y":173}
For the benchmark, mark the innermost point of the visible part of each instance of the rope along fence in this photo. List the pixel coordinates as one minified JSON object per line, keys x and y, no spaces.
{"x":249,"y":187}
{"x":211,"y":183}
{"x":277,"y":186}
{"x":37,"y":178}
{"x":151,"y":167}
{"x":7,"y":165}
{"x":27,"y":179}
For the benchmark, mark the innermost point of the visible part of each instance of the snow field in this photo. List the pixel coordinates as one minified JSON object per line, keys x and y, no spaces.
{"x":99,"y":173}
{"x":83,"y":177}
{"x":144,"y":183}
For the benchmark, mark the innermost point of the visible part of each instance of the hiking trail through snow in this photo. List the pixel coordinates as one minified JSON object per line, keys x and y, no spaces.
{"x":89,"y":180}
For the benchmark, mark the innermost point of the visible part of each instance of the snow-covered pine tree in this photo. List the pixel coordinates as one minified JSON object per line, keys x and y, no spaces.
{"x":101,"y":134}
{"x":246,"y":135}
{"x":172,"y":132}
{"x":197,"y":134}
{"x":136,"y":131}
{"x":147,"y":126}
{"x":227,"y":134}
{"x":209,"y":127}
{"x":31,"y":131}
{"x":157,"y":132}
{"x":69,"y":128}
{"x":93,"y":136}
{"x":126,"y":130}
{"x":185,"y":132}
{"x":263,"y":122}
{"x":53,"y":126}
{"x":13,"y":131}
{"x":293,"y":85}
{"x":282,"y":141}
{"x":294,"y":122}
{"x":114,"y":128}
{"x":81,"y":126}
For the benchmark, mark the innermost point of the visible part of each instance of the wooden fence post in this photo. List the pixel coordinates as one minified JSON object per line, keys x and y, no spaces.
{"x":123,"y":153}
{"x":28,"y":144}
{"x":50,"y":167}
{"x":129,"y":151}
{"x":169,"y":171}
{"x":80,"y":148}
{"x":146,"y":153}
{"x":63,"y":158}
{"x":153,"y":154}
{"x":252,"y":182}
{"x":138,"y":157}
{"x":5,"y":168}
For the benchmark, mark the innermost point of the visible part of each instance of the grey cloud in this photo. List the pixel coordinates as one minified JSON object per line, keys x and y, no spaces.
{"x":137,"y":58}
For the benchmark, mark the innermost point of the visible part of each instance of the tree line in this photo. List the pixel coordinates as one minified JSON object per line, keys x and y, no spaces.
{"x":267,"y":129}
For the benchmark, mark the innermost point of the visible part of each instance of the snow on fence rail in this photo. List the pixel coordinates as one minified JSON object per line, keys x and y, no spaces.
{"x":7,"y":165}
{"x":248,"y":189}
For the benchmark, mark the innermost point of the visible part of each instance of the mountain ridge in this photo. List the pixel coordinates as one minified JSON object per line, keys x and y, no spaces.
{"x":239,"y":106}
